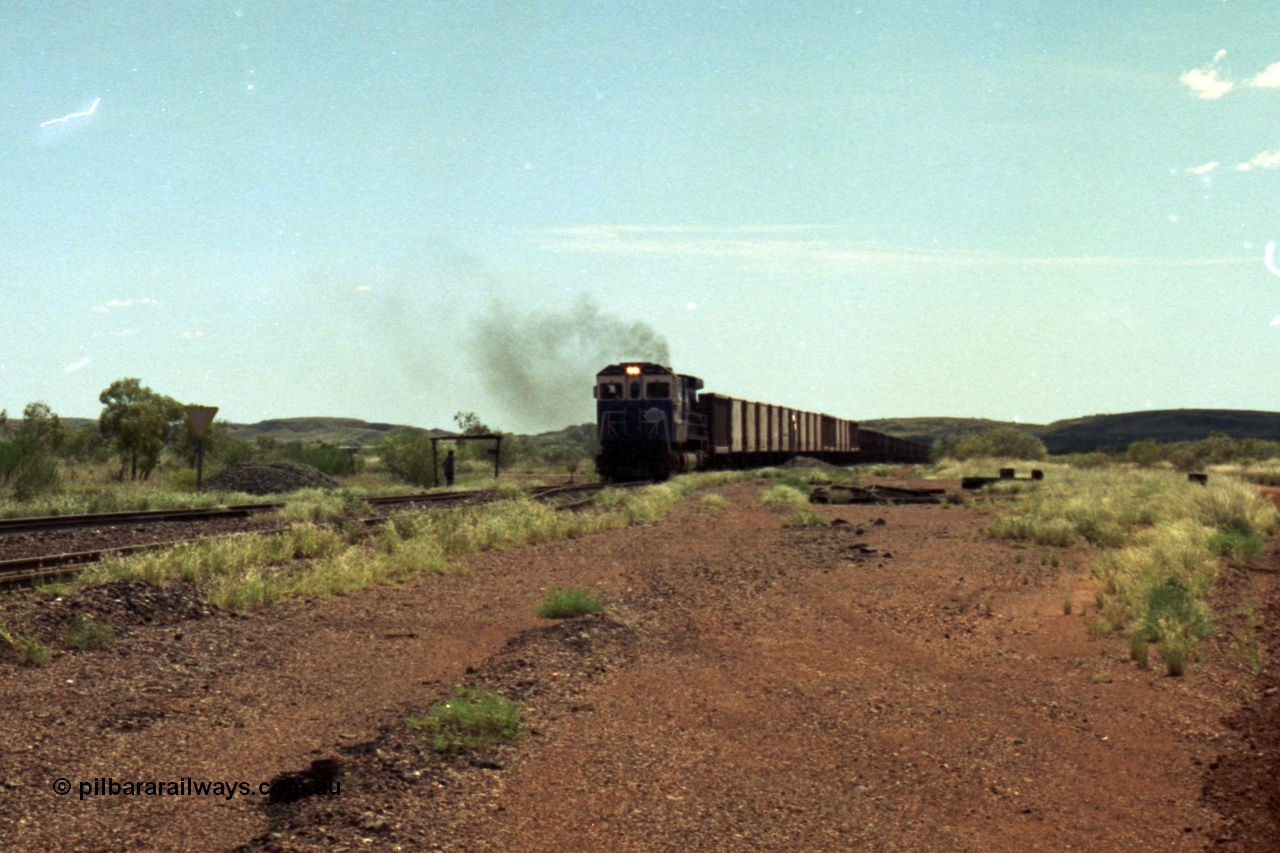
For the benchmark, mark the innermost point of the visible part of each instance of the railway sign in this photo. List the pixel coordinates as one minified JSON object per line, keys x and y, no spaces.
{"x":200,"y":418}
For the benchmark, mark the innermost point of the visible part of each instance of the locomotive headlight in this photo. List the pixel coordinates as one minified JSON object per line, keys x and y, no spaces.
{"x":633,"y":370}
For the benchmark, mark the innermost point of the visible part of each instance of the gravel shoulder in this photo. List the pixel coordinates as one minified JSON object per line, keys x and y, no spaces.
{"x":905,"y":685}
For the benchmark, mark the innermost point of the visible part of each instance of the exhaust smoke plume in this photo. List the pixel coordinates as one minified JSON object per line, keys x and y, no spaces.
{"x":540,"y":367}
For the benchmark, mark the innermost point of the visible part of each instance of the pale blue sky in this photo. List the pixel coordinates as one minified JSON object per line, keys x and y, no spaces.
{"x":1008,"y":210}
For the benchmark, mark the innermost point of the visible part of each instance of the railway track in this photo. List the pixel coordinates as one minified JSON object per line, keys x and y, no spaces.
{"x":47,"y":566}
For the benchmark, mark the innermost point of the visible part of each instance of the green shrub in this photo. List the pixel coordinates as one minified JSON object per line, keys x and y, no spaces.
{"x":797,"y":482}
{"x":327,"y":458}
{"x":86,"y":633}
{"x":566,"y":603}
{"x":28,"y":469}
{"x":1175,"y":621}
{"x":1004,"y":442}
{"x":407,"y":456}
{"x":470,"y":719}
{"x":1145,"y":453}
{"x":1241,"y":547}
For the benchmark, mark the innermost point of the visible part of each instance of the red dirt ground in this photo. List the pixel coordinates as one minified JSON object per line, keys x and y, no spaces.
{"x":910,"y":685}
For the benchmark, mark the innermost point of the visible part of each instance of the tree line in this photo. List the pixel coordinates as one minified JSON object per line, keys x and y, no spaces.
{"x":138,"y":427}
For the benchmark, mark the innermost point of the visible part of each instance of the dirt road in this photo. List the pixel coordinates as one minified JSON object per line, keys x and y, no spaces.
{"x":905,"y":685}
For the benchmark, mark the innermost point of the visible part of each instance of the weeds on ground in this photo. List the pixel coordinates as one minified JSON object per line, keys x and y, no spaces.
{"x":88,"y":634}
{"x":805,"y":519}
{"x":1173,"y":619}
{"x":255,"y":570}
{"x":1164,"y":538}
{"x":567,"y":603}
{"x":120,"y":497}
{"x":512,"y":490}
{"x":802,"y":478}
{"x":1247,"y":650}
{"x":323,"y":506}
{"x":25,"y":649}
{"x":1237,"y":546}
{"x":469,"y":719}
{"x":714,"y":502}
{"x":784,"y":497}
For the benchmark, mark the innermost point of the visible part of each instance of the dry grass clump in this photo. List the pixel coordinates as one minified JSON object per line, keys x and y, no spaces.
{"x":322,"y":506}
{"x":783,"y":496}
{"x":1165,"y":539}
{"x":255,"y":570}
{"x":24,"y":649}
{"x":715,"y":502}
{"x":1098,"y":507}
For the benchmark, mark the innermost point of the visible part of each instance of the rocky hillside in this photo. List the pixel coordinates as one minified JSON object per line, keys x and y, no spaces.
{"x":1101,"y":432}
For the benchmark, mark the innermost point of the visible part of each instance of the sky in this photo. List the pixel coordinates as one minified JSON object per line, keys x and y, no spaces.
{"x":396,"y":211}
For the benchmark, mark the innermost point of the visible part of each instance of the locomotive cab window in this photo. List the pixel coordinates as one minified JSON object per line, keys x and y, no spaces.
{"x":658,"y":391}
{"x":610,"y":390}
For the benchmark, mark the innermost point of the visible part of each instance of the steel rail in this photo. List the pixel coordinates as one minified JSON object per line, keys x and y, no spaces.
{"x":20,"y":570}
{"x":106,"y":519}
{"x":27,"y":524}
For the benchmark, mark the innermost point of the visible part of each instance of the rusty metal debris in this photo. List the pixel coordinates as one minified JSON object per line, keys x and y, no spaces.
{"x":1006,"y":475}
{"x":875,"y":495}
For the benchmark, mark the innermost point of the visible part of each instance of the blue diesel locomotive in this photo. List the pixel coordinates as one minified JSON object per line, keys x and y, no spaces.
{"x":652,"y":422}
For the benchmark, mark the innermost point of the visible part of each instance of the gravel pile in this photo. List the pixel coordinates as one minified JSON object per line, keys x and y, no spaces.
{"x":809,"y":462}
{"x":268,"y":478}
{"x":122,"y":604}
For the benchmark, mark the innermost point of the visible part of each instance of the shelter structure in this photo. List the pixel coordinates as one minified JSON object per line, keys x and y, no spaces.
{"x":496,"y":450}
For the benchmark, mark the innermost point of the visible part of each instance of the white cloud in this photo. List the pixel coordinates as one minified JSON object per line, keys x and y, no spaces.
{"x":191,"y":336}
{"x":1262,"y":160}
{"x":1205,"y":169}
{"x":112,"y":304}
{"x":76,"y":365}
{"x":364,"y":288}
{"x":785,"y":247}
{"x":1269,"y":78}
{"x":126,"y":333}
{"x":1204,"y":82}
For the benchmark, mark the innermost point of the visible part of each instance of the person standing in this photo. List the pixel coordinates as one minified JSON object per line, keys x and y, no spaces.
{"x":448,"y":468}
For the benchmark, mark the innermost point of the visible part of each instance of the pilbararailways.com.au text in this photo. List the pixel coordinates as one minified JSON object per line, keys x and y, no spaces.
{"x":188,"y":787}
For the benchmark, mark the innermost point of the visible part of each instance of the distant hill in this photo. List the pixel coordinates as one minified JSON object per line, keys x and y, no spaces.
{"x":1116,"y":432}
{"x":929,"y":430}
{"x":347,"y":431}
{"x":1100,"y":432}
{"x":1075,"y":435}
{"x":340,"y":431}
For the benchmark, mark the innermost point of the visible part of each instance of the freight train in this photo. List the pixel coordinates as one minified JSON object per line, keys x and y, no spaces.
{"x":652,"y":422}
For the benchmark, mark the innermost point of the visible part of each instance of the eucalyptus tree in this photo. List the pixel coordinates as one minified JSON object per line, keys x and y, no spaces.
{"x":139,"y":423}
